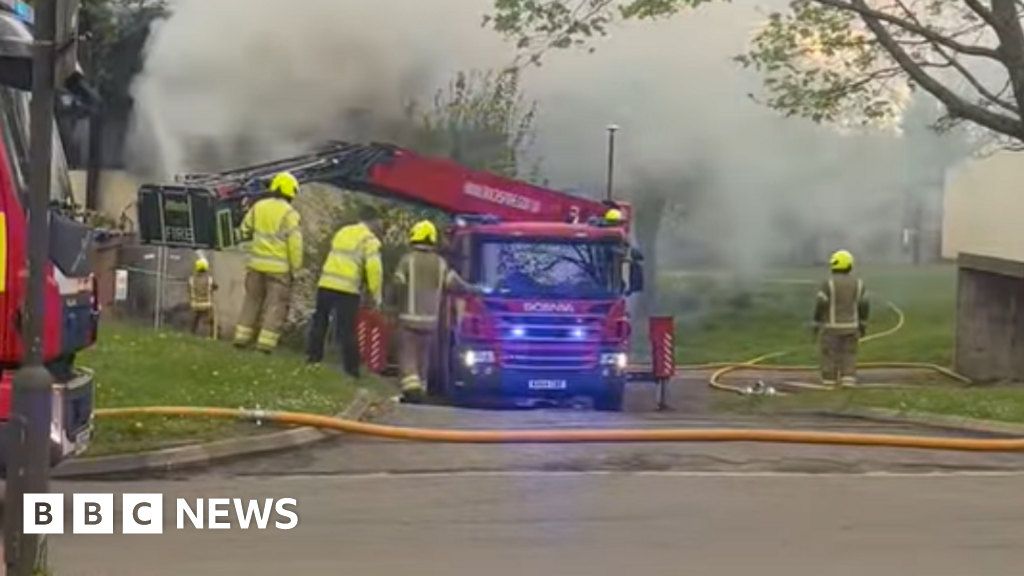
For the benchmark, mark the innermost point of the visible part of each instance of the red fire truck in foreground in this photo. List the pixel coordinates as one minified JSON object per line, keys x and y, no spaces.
{"x":553,"y":323}
{"x":71,"y":305}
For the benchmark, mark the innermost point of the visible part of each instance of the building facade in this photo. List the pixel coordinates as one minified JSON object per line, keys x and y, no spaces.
{"x":984,"y":233}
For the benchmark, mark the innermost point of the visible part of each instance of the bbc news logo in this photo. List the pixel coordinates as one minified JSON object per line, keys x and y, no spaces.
{"x":144,"y":513}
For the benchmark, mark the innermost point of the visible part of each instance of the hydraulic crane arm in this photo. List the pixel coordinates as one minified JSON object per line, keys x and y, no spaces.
{"x":201,"y":209}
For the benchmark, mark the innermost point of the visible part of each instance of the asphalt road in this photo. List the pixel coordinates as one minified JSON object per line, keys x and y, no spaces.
{"x":583,"y":524}
{"x":383,"y":507}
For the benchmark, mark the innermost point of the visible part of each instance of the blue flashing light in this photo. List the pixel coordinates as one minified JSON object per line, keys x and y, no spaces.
{"x":578,"y":333}
{"x":22,"y":11}
{"x":518,"y":332}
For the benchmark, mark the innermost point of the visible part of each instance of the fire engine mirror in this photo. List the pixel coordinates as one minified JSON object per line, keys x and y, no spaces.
{"x":636,"y":278}
{"x":16,"y":42}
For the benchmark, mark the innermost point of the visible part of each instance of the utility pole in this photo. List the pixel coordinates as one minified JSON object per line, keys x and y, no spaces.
{"x":29,"y":469}
{"x":609,"y":179}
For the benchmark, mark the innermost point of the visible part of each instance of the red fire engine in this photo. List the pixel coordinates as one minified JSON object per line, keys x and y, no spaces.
{"x":553,"y":323}
{"x":71,"y":306}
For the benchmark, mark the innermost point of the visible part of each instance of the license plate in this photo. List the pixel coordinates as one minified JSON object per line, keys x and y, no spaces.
{"x":547,"y":384}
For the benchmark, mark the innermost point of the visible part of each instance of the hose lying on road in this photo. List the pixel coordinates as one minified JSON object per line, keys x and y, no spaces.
{"x":576,"y":436}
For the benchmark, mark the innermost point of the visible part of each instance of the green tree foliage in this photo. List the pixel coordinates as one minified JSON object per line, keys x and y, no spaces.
{"x":829,"y":59}
{"x":480,"y":120}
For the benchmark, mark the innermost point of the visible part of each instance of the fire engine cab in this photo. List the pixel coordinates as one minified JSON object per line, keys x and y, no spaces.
{"x":552,"y":323}
{"x":71,"y":305}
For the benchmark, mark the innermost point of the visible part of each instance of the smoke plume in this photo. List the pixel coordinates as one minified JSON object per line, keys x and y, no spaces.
{"x":229,"y":81}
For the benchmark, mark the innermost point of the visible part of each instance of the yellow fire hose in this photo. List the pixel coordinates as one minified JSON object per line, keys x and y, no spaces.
{"x":715,"y":381}
{"x":617,"y":435}
{"x":576,"y":436}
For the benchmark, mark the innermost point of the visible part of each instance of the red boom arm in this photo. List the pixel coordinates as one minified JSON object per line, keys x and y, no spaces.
{"x":391,"y":172}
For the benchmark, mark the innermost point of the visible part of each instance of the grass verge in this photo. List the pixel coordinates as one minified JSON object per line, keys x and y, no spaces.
{"x":998,"y":403}
{"x":137,"y":366}
{"x":723,"y":319}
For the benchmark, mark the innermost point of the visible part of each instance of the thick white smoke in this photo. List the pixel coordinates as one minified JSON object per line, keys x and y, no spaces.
{"x":280,"y":75}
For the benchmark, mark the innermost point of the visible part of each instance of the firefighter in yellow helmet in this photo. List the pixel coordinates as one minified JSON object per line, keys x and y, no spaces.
{"x":200,"y":295}
{"x":420,"y":278}
{"x":352,"y":266}
{"x":840,"y":319}
{"x":614,"y":217}
{"x":272,"y":226}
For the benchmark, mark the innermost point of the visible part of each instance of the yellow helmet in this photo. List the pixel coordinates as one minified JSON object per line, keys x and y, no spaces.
{"x":841,"y":261}
{"x":285,"y":184}
{"x":614,"y":215}
{"x":423,"y":232}
{"x":202,"y":265}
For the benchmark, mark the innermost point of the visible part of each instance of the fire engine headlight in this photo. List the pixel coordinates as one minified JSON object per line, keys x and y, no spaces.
{"x":476,"y":357}
{"x":518,"y":332}
{"x":618,"y":359}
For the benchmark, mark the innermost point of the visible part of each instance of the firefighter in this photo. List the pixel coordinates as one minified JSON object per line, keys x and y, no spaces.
{"x":420,"y":278}
{"x":614,"y":217}
{"x":840,"y":320}
{"x":275,"y":254}
{"x":200,"y":295}
{"x":352,"y":266}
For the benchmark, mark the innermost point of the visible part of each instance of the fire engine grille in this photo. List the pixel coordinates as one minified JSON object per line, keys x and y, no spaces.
{"x":549,"y":342}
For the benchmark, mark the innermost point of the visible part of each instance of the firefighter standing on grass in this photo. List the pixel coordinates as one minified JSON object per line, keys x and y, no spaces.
{"x":353,"y":264}
{"x":420,"y":278}
{"x":275,"y":254}
{"x":200,"y":296}
{"x":840,"y":321}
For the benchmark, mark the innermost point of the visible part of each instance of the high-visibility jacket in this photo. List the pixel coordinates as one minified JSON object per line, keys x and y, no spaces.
{"x":273,"y":226}
{"x":200,"y":291}
{"x":843,"y":304}
{"x":354,"y":262}
{"x":420,"y":277}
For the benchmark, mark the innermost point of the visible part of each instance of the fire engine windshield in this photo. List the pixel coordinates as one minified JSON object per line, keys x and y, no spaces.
{"x":572,"y":268}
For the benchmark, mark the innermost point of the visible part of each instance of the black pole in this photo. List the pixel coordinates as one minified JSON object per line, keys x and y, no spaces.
{"x":609,"y":180}
{"x":94,"y":160}
{"x":31,"y":410}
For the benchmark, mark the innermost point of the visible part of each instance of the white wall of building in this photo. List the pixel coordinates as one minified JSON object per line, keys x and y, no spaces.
{"x":984,"y":208}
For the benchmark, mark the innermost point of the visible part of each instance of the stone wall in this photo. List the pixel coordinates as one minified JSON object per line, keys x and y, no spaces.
{"x":990,"y":319}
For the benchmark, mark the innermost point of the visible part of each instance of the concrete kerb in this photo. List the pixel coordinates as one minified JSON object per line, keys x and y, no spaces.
{"x":169,"y":459}
{"x":936,"y":421}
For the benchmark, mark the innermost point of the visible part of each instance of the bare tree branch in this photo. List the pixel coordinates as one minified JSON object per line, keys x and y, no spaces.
{"x":865,"y":11}
{"x":983,"y":12}
{"x":964,"y":72}
{"x":956,"y":106}
{"x":1011,"y":44}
